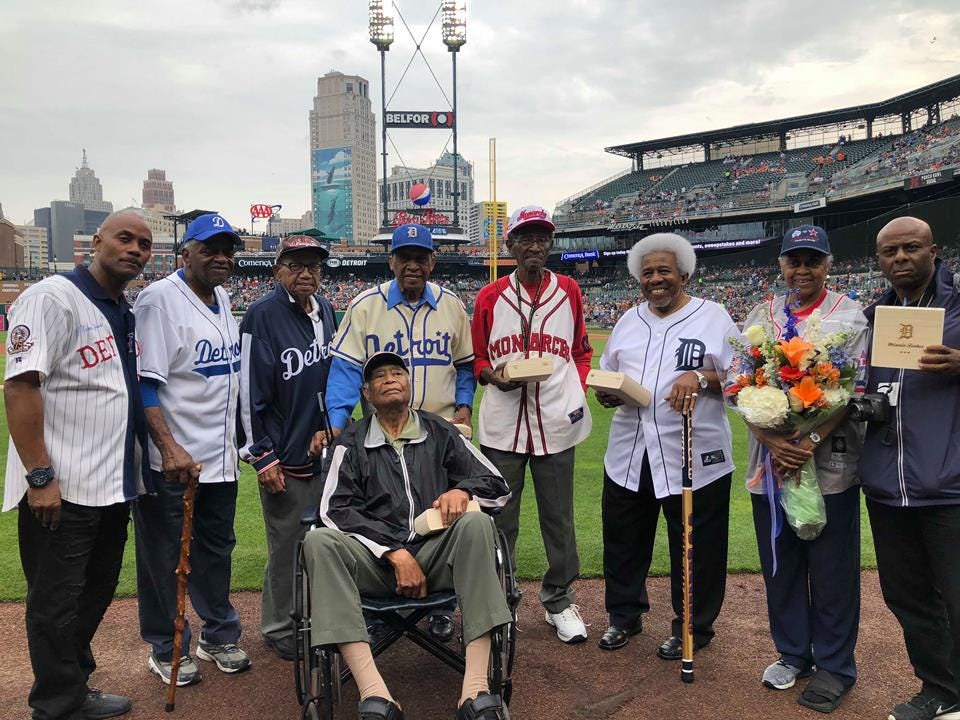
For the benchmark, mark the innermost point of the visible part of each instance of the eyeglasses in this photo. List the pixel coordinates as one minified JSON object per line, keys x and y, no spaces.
{"x":297,"y":268}
{"x":528,"y":241}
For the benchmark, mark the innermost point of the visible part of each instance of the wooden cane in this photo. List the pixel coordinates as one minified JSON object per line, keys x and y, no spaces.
{"x":183,"y":569}
{"x":686,"y":667}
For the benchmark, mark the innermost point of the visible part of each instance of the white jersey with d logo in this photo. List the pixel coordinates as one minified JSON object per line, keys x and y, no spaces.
{"x":655,"y":352}
{"x":194,"y":353}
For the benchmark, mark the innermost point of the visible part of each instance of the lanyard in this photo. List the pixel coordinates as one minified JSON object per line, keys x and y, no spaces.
{"x":526,"y":324}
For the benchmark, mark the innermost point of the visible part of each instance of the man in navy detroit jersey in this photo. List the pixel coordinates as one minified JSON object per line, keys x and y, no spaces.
{"x":77,"y":426}
{"x":190,"y":381}
{"x":285,"y":339}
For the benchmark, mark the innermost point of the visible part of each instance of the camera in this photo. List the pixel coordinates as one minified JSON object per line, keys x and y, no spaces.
{"x":870,"y":407}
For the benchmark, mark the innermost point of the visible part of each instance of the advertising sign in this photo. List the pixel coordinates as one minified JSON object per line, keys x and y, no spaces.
{"x":332,"y":179}
{"x":421,"y":119}
{"x":811,"y":204}
{"x":580,"y":256}
{"x":928,"y":178}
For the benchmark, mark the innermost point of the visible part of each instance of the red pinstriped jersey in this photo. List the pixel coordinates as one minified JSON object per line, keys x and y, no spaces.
{"x":510,"y":322}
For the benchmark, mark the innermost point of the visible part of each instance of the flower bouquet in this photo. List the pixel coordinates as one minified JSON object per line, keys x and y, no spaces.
{"x":792,"y":385}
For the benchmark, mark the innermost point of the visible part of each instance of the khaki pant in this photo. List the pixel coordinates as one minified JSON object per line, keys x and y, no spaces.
{"x":462,"y":558}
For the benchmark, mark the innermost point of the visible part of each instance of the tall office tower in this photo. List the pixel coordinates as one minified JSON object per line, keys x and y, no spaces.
{"x":343,"y":166}
{"x":85,"y":189}
{"x":158,"y":192}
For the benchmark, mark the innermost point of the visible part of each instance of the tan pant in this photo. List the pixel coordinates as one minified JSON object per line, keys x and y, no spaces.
{"x":462,"y":558}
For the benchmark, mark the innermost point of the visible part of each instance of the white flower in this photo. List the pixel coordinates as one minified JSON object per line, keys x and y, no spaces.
{"x":755,"y":335}
{"x":763,"y":406}
{"x":836,"y":397}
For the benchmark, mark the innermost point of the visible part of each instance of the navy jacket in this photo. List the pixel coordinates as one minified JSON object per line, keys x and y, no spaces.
{"x":284,"y":363}
{"x":915,"y":461}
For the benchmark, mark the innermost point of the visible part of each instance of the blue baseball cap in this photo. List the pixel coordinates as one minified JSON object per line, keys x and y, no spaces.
{"x":211,"y":225}
{"x":805,"y":237}
{"x":411,"y":235}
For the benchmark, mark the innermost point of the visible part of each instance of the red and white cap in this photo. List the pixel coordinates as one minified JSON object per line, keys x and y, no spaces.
{"x":530,"y":216}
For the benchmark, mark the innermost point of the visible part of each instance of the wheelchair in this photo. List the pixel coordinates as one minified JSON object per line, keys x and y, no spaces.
{"x":320,"y":674}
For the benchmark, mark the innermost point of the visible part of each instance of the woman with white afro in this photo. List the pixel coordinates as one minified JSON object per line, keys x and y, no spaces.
{"x":678,"y":347}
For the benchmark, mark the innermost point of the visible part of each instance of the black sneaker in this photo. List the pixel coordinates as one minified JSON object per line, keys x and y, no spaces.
{"x":483,"y":707}
{"x":925,"y":706}
{"x":440,"y":627}
{"x":99,"y":705}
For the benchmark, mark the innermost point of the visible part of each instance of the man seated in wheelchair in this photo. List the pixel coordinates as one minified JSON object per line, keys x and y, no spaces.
{"x":384,"y":471}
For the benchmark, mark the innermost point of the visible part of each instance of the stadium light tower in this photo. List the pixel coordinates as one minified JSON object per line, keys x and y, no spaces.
{"x":381,"y":35}
{"x":454,"y":31}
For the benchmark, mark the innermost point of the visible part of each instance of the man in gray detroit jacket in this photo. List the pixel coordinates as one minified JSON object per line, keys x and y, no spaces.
{"x":910,"y":471}
{"x":384,"y":472}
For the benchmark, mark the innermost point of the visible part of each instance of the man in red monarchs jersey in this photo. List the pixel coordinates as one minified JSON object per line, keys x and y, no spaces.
{"x":536,"y":313}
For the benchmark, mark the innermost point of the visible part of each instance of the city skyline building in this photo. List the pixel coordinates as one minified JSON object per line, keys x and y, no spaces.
{"x":158,"y":192}
{"x":343,"y":173}
{"x":34,"y":245}
{"x":85,"y":188}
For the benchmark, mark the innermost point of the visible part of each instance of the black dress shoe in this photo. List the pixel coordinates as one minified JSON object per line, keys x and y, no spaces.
{"x":672,"y":648}
{"x":616,"y":637}
{"x":483,"y":707}
{"x":378,"y":708}
{"x":99,"y":705}
{"x":283,"y":646}
{"x":440,"y":627}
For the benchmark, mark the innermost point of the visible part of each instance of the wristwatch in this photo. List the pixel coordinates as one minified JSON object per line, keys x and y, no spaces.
{"x":40,"y":477}
{"x":815,"y":436}
{"x":701,"y":379}
{"x":463,"y":405}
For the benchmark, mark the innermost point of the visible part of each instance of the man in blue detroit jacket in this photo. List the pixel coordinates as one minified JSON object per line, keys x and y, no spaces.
{"x":285,"y":339}
{"x":910,"y":471}
{"x":384,"y":472}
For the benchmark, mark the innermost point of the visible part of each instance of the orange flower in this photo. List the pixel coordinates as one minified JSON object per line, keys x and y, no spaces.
{"x":807,"y":392}
{"x":829,"y":373}
{"x":760,"y":377}
{"x":794,"y":350}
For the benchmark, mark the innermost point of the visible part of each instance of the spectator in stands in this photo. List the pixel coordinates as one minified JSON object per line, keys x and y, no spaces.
{"x":536,"y":313}
{"x":813,"y":597}
{"x":423,"y":323}
{"x":677,"y":346}
{"x":285,"y":340}
{"x":910,"y":471}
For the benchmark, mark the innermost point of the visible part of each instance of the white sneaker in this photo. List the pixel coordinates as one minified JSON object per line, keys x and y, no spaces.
{"x":569,"y":624}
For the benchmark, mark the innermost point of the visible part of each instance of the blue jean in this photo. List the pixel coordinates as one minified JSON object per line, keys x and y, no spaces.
{"x":71,"y":574}
{"x":157,"y":521}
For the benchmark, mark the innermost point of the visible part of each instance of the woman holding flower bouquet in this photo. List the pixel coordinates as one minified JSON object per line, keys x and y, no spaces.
{"x":791,"y":384}
{"x":678,"y":347}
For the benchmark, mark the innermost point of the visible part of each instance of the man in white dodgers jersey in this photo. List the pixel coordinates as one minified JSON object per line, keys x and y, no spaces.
{"x":75,"y":460}
{"x":190,"y":379}
{"x":536,"y":313}
{"x":423,"y":323}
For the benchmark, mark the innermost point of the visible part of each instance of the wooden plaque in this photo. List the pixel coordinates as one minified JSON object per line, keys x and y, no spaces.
{"x":901,"y":333}
{"x":529,"y":370}
{"x":621,"y":385}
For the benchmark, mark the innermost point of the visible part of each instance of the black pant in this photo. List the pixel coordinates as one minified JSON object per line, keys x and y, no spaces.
{"x":813,"y":601}
{"x":157,"y":522}
{"x":629,"y":531}
{"x":919,"y":572}
{"x":71,"y":573}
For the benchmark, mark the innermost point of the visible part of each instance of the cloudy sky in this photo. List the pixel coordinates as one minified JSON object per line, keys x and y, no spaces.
{"x":217,"y":92}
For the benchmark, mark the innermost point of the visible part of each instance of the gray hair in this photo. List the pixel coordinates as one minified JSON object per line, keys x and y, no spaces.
{"x":663,"y":242}
{"x":188,"y":245}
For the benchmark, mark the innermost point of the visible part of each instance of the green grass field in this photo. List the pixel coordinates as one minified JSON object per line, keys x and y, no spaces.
{"x":250,"y":554}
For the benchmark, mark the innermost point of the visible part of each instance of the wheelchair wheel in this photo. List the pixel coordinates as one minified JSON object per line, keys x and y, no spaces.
{"x":503,"y":643}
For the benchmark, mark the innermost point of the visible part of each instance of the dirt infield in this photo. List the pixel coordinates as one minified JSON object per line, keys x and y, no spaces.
{"x":553,"y":681}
